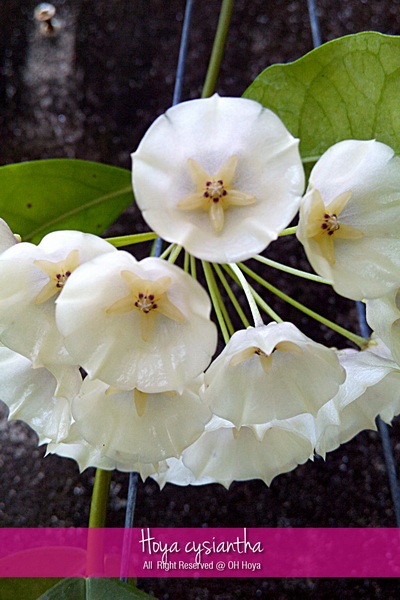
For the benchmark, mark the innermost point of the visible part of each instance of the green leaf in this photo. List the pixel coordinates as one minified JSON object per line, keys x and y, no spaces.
{"x":45,"y":195}
{"x":346,"y":89}
{"x":93,"y":589}
{"x":66,"y":589}
{"x":105,"y":589}
{"x":21,"y":587}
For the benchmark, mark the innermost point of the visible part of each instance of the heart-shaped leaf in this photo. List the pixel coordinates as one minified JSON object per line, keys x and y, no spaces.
{"x":45,"y":195}
{"x":93,"y":589}
{"x":346,"y":89}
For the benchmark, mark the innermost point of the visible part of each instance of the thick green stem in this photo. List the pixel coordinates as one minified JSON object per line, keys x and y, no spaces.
{"x":97,"y":521}
{"x":127,"y":240}
{"x":218,"y":48}
{"x":291,"y":270}
{"x":357,"y":339}
{"x":98,"y":506}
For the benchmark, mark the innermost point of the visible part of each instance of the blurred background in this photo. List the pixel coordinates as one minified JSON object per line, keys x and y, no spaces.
{"x":90,"y":91}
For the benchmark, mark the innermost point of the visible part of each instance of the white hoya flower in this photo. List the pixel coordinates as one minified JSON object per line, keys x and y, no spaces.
{"x":74,"y":446}
{"x":39,"y":397}
{"x":383,"y":316}
{"x":350,"y":218}
{"x":148,"y":427}
{"x":136,"y":324}
{"x":371,"y":388}
{"x":31,"y":278}
{"x":271,"y":372}
{"x":224,"y":454}
{"x":7,"y":238}
{"x":219,"y":176}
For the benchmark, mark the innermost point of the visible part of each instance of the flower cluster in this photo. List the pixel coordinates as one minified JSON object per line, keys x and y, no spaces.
{"x":220,"y":177}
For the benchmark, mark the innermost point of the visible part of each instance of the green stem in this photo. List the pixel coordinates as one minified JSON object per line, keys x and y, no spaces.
{"x":291,"y":270}
{"x":193,"y":270}
{"x":231,"y":295}
{"x":127,"y":240}
{"x":218,"y":48}
{"x":265,"y":306}
{"x":288,"y":231}
{"x":186,"y":262}
{"x":249,"y":295}
{"x":97,"y":521}
{"x":357,"y":339}
{"x":167,"y":251}
{"x":260,"y":301}
{"x":98,"y":506}
{"x":214,"y":292}
{"x":311,"y":159}
{"x":174,"y":254}
{"x":222,"y":306}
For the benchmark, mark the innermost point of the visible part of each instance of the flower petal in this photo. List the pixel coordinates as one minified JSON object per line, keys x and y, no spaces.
{"x":150,"y":431}
{"x":287,"y":375}
{"x":26,"y":326}
{"x":238,"y":141}
{"x":133,"y":349}
{"x":359,"y":184}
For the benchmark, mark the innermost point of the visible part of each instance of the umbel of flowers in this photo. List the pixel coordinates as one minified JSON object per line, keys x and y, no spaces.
{"x":220,"y":178}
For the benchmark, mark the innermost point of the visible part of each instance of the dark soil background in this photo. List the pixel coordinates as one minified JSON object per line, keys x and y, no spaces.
{"x":90,"y":93}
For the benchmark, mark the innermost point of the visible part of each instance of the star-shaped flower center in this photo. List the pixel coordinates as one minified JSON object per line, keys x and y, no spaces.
{"x":58,"y":273}
{"x":265,"y":359}
{"x":215,"y":194}
{"x":324,"y":224}
{"x":149,"y":298}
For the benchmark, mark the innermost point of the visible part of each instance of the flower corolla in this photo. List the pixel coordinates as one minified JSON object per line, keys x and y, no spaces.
{"x":371,"y":388}
{"x":383,"y":316}
{"x":38,"y":396}
{"x":133,"y":324}
{"x":148,"y":427}
{"x":31,"y":278}
{"x":349,"y":218}
{"x":219,"y":176}
{"x":224,"y":454}
{"x":271,"y":372}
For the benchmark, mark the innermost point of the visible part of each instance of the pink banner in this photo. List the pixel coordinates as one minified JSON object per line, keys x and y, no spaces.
{"x":236,"y":552}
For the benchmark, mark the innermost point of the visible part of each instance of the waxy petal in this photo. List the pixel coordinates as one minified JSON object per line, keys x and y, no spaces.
{"x":149,"y":427}
{"x":26,"y":325}
{"x":122,"y":344}
{"x":271,"y":372}
{"x":230,"y":139}
{"x":358,"y":184}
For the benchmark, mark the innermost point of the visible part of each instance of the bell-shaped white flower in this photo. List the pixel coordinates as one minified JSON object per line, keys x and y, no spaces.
{"x":271,"y":372}
{"x":383,"y":316}
{"x":39,"y":397}
{"x":87,"y":455}
{"x":7,"y":238}
{"x":31,"y":278}
{"x":349,"y":224}
{"x":148,"y":427}
{"x":136,"y":324}
{"x":219,"y":176}
{"x":371,"y":388}
{"x":224,"y":454}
